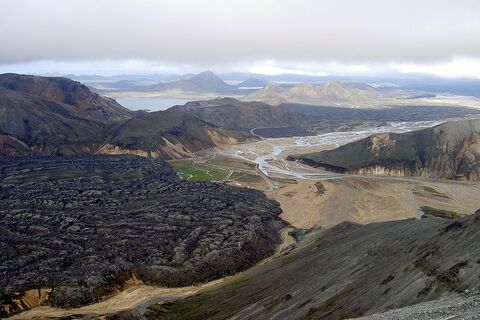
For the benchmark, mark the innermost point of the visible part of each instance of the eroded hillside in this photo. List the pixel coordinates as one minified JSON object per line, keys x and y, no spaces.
{"x":450,"y":150}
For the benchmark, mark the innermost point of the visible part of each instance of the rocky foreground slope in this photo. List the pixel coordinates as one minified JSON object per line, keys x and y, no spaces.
{"x":450,"y":150}
{"x":348,"y":271}
{"x":75,"y":229}
{"x":58,"y":116}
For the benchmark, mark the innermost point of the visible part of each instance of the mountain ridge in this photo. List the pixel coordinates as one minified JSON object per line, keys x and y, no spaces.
{"x":239,"y":115}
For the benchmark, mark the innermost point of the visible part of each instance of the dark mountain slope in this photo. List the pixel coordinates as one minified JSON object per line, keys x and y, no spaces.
{"x":348,"y":271}
{"x":46,"y":127}
{"x":238,"y":115}
{"x":450,"y":150}
{"x":167,"y":135}
{"x":67,"y":92}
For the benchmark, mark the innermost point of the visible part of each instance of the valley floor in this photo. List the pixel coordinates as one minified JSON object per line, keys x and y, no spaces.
{"x":134,"y":299}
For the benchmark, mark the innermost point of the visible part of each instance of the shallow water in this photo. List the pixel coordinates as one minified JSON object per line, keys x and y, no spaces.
{"x":150,"y":104}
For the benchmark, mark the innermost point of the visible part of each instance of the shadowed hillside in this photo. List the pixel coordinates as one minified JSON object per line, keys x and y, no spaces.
{"x":243,"y":116}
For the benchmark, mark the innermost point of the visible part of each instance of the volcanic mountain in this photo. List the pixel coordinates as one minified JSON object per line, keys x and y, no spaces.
{"x":332,"y":93}
{"x":450,"y":150}
{"x":59,"y":116}
{"x":204,"y":82}
{"x":239,"y":115}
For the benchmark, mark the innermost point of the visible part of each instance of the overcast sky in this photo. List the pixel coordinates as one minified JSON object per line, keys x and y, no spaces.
{"x":345,"y":37}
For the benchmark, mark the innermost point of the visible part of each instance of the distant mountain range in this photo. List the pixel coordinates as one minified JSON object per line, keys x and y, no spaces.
{"x":52,"y":115}
{"x":204,"y":82}
{"x":241,"y":116}
{"x":469,"y":87}
{"x":331,"y":93}
{"x":450,"y":150}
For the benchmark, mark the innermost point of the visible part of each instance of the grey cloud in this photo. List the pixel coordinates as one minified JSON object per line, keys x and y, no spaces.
{"x":216,"y":31}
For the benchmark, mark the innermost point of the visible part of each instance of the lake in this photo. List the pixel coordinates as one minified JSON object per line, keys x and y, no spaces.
{"x":152,"y":104}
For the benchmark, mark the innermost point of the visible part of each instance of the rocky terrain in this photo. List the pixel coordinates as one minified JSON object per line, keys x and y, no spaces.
{"x":465,"y":306}
{"x":242,"y":116}
{"x":74,"y":230}
{"x":58,"y":116}
{"x":347,"y":271}
{"x":450,"y":150}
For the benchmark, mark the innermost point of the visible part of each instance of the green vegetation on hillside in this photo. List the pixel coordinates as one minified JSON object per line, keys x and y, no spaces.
{"x":189,"y":171}
{"x":426,"y":191}
{"x":440,"y":213}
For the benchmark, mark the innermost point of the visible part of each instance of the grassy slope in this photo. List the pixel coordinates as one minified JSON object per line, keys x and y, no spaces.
{"x":196,"y":173}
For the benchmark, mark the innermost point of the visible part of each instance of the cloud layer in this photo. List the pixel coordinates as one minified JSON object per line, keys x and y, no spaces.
{"x":349,"y":34}
{"x":239,"y":30}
